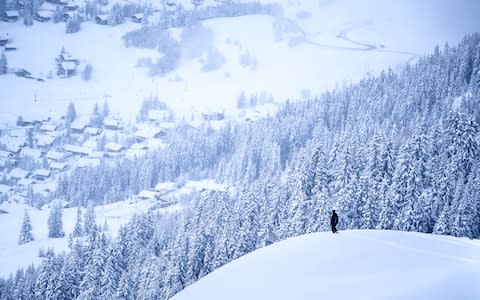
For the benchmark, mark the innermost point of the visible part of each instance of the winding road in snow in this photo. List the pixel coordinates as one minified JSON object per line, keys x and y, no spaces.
{"x":356,"y":45}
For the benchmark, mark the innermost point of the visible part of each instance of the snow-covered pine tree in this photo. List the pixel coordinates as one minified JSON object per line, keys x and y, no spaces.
{"x":26,"y":231}
{"x":78,"y":229}
{"x":125,"y":288}
{"x":90,"y":220}
{"x":55,"y":223}
{"x":3,"y":63}
{"x":111,"y":274}
{"x":28,"y":12}
{"x":70,"y":115}
{"x":73,"y":24}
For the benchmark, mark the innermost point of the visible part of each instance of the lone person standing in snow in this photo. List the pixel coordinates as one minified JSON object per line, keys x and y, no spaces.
{"x":334,"y":221}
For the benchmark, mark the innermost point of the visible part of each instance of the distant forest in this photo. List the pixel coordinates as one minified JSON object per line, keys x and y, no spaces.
{"x":395,"y":151}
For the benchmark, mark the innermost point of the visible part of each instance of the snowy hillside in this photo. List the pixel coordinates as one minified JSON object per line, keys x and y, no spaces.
{"x":351,"y":265}
{"x":317,"y":43}
{"x":14,"y":256}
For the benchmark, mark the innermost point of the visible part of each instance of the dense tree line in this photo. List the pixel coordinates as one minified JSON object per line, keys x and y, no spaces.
{"x":398,"y":151}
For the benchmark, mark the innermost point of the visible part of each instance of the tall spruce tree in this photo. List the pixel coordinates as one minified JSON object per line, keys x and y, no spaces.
{"x":26,"y":231}
{"x":55,"y":222}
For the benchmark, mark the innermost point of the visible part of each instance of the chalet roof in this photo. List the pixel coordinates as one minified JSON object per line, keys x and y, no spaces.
{"x":148,"y":132}
{"x":92,"y":130}
{"x":147,"y":194}
{"x":77,"y":149}
{"x":45,"y":14}
{"x":19,"y":173}
{"x":42,"y":172}
{"x":25,"y":182}
{"x":67,"y":57}
{"x":12,"y":13}
{"x":48,"y":127}
{"x":13,"y":148}
{"x":45,"y":140}
{"x":4,"y":37}
{"x":68,"y":66}
{"x":4,"y":154}
{"x":138,"y":16}
{"x":79,"y":124}
{"x":4,"y":188}
{"x":90,"y":144}
{"x":102,"y":18}
{"x":138,"y":146}
{"x":55,"y":155}
{"x":96,"y":154}
{"x":57,"y":165}
{"x":113,"y":147}
{"x":70,"y":14}
{"x":110,"y":122}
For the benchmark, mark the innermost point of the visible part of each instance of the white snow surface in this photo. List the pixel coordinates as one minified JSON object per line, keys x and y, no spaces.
{"x":355,"y":264}
{"x":322,"y":44}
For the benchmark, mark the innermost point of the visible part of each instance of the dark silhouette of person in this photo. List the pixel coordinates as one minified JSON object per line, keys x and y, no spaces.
{"x":334,"y":221}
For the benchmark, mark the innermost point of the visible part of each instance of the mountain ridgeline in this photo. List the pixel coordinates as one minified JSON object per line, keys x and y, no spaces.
{"x":397,"y":151}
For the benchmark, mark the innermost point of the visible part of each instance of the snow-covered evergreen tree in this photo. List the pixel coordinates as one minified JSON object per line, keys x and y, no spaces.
{"x":70,"y":115}
{"x":78,"y":229}
{"x":55,"y":222}
{"x":3,"y":63}
{"x":26,"y":231}
{"x":90,"y":220}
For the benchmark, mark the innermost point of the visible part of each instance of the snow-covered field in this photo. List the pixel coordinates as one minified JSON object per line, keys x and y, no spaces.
{"x":321,"y":44}
{"x":350,"y":265}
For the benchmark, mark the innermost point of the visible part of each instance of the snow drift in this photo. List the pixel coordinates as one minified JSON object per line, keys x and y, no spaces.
{"x":351,"y":265}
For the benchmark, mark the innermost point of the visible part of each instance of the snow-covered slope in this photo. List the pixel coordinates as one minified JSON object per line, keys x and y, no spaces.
{"x":317,"y":45}
{"x":350,"y":265}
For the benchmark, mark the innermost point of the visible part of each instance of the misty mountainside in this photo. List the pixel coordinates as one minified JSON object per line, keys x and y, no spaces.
{"x":395,"y":151}
{"x":350,"y":265}
{"x":124,"y":51}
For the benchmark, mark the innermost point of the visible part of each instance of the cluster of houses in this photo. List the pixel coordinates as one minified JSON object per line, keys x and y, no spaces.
{"x":37,"y":150}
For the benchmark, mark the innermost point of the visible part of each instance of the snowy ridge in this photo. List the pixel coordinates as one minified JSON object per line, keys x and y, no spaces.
{"x":353,"y":264}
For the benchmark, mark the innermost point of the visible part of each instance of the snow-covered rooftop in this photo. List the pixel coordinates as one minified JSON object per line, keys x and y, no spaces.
{"x":146,"y":194}
{"x":25,"y":182}
{"x":92,"y":130}
{"x":12,"y":13}
{"x":42,"y":172}
{"x":77,"y":149}
{"x":110,"y":122}
{"x":4,"y":154}
{"x":45,"y":14}
{"x":4,"y":188}
{"x":55,"y":155}
{"x":79,"y":124}
{"x":45,"y":140}
{"x":148,"y":132}
{"x":19,"y":173}
{"x":90,"y":144}
{"x":13,"y":147}
{"x":57,"y":165}
{"x":48,"y":127}
{"x":113,"y":147}
{"x":69,"y":66}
